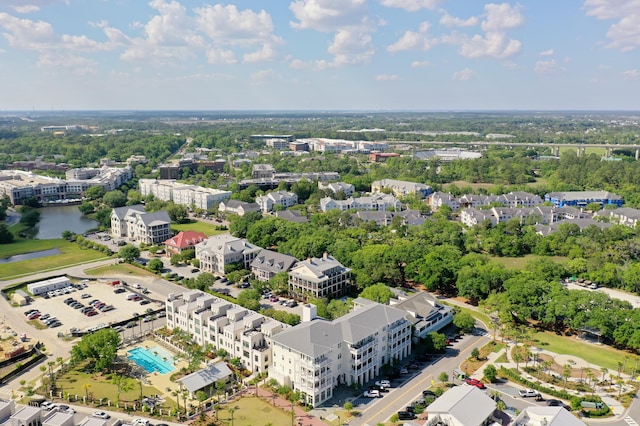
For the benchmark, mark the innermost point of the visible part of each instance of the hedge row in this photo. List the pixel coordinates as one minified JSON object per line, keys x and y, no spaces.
{"x":515,"y":376}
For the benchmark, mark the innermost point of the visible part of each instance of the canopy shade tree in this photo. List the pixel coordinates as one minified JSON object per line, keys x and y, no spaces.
{"x":100,"y":347}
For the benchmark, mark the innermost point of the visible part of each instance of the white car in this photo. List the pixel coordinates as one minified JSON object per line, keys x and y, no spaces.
{"x":372,"y":394}
{"x":101,"y":415}
{"x":47,"y":405}
{"x":526,"y":393}
{"x":383,"y":383}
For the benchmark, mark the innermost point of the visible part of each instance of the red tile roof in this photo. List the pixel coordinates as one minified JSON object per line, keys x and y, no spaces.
{"x":186,"y":239}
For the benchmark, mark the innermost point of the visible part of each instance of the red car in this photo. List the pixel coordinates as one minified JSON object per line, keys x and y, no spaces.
{"x":475,"y":382}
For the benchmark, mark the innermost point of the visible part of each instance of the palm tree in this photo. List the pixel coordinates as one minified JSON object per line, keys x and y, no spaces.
{"x":231,"y":411}
{"x":185,"y":394}
{"x":517,"y":357}
{"x":604,"y":371}
{"x":293,"y":397}
{"x":220,"y":386}
{"x":86,"y":388}
{"x":176,"y":394}
{"x":566,"y":373}
{"x":123,"y":383}
{"x":60,"y":362}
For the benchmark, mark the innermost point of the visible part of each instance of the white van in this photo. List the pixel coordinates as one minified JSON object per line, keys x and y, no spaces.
{"x":131,"y":296}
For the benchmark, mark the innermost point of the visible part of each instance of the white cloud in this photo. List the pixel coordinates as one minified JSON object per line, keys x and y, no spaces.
{"x":547,"y":67}
{"x":351,"y":46}
{"x":495,"y":43}
{"x":28,"y":8}
{"x":625,"y":33}
{"x":220,"y":57}
{"x":78,"y":64}
{"x":298,"y":64}
{"x":414,"y":40}
{"x":264,"y":76}
{"x":633,"y":74}
{"x":464,"y":74}
{"x":411,"y":5}
{"x":386,"y":77}
{"x":453,"y":21}
{"x":549,"y":52}
{"x":327,"y":15}
{"x":420,"y":64}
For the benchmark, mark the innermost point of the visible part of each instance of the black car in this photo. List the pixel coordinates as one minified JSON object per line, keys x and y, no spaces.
{"x":119,"y":290}
{"x":405,"y":415}
{"x":378,"y":388}
{"x":428,"y":392}
{"x":145,"y":302}
{"x":554,"y":403}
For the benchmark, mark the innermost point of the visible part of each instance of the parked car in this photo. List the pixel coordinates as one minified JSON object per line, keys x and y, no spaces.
{"x":404,"y":371}
{"x":47,"y":405}
{"x":29,"y":312}
{"x":372,"y":394}
{"x":383,"y":383}
{"x":55,"y":324}
{"x":405,"y":415}
{"x":101,"y":415}
{"x":85,"y":296}
{"x":554,"y":403}
{"x":378,"y":388}
{"x":475,"y":382}
{"x":119,"y":290}
{"x":145,"y":302}
{"x":429,"y":393}
{"x":528,"y":393}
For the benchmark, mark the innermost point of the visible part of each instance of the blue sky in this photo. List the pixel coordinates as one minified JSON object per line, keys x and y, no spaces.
{"x":320,"y":54}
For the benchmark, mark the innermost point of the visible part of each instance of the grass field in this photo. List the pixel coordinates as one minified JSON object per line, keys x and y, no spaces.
{"x":521,"y":262}
{"x":253,"y":411}
{"x":119,"y":269}
{"x":70,"y":254}
{"x":205,"y":228}
{"x":604,"y":356}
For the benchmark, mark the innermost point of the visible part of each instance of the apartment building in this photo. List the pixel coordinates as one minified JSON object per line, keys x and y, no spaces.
{"x":424,"y":312}
{"x":583,"y":198}
{"x":19,"y":185}
{"x":317,"y":355}
{"x":262,"y":171}
{"x":318,"y":278}
{"x":623,"y":216}
{"x":243,"y":333}
{"x":183,"y":194}
{"x":238,"y":207}
{"x":220,"y":250}
{"x":375,"y":202}
{"x":269,"y":263}
{"x":184,"y":240}
{"x":526,"y":215}
{"x":401,"y":188}
{"x":439,"y":199}
{"x":134,"y":223}
{"x":335,"y":187}
{"x":284,"y":199}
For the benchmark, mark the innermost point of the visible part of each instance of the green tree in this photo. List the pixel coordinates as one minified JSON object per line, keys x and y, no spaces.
{"x":279,"y":283}
{"x":94,"y":192}
{"x":464,"y":321}
{"x":123,"y":384}
{"x":155,"y":265}
{"x":249,"y":299}
{"x":101,"y":347}
{"x":475,"y":353}
{"x":129,"y":253}
{"x":114,"y":199}
{"x":438,"y":269}
{"x":380,"y":293}
{"x":6,"y":237}
{"x":177,"y":212}
{"x":490,"y":373}
{"x":443,"y":377}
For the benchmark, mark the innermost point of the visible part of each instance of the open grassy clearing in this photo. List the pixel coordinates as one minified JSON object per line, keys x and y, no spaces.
{"x":253,"y":411}
{"x":70,"y":254}
{"x":521,"y":262}
{"x":22,"y":246}
{"x":604,"y":356}
{"x":119,"y":269}
{"x":203,"y":227}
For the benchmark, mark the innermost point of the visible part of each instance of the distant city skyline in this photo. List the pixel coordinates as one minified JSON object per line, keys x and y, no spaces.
{"x":346,"y":55}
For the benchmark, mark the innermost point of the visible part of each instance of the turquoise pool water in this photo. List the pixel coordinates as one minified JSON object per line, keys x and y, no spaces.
{"x":147,"y":359}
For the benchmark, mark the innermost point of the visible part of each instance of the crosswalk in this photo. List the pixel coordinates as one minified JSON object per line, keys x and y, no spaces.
{"x":630,"y":421}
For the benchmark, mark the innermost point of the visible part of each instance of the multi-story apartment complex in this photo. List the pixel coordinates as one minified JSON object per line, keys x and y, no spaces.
{"x":583,"y":198}
{"x":268,"y":201}
{"x":512,"y":199}
{"x":134,"y":223}
{"x":527,"y":215}
{"x":263,"y":171}
{"x":20,"y":185}
{"x":180,"y":193}
{"x":401,"y":188}
{"x":347,"y":188}
{"x":623,"y":216}
{"x":317,"y":355}
{"x":288,"y":178}
{"x":376,"y":202}
{"x":318,"y":278}
{"x":268,"y":263}
{"x":243,"y":333}
{"x":439,"y":199}
{"x":223,"y":249}
{"x":238,"y":207}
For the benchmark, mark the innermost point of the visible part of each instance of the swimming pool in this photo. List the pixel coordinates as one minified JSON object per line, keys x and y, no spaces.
{"x":147,"y":359}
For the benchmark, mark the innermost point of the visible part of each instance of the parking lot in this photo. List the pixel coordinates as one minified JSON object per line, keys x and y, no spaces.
{"x":125,"y":304}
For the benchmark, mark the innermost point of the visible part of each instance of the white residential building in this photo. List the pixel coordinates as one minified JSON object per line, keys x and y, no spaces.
{"x":401,"y":188}
{"x":378,"y":202}
{"x":134,"y":223}
{"x":238,"y":207}
{"x":439,"y":199}
{"x":463,"y":405}
{"x":317,"y":355}
{"x":424,"y":311}
{"x":243,"y":333}
{"x":281,"y":198}
{"x":622,"y":216}
{"x":269,"y":263}
{"x":319,"y":277}
{"x":335,"y":187}
{"x":220,"y":250}
{"x":183,"y":194}
{"x":547,"y":416}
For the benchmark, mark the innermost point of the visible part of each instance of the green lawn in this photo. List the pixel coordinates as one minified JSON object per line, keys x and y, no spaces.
{"x":253,"y":411}
{"x":21,"y":246}
{"x":520,"y":262}
{"x":203,"y":227}
{"x":70,"y":254}
{"x":604,"y":356}
{"x":119,"y":269}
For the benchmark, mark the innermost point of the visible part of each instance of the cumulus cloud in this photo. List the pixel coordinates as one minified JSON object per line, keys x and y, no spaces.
{"x":327,"y":15}
{"x":495,"y":43}
{"x":411,"y":5}
{"x":547,"y":67}
{"x":29,"y":8}
{"x":386,"y":77}
{"x":625,"y":33}
{"x":351,"y":46}
{"x":633,"y":74}
{"x":453,"y":21}
{"x":411,"y":40}
{"x":419,"y":64}
{"x":546,"y":52}
{"x":264,"y":76}
{"x":464,"y":74}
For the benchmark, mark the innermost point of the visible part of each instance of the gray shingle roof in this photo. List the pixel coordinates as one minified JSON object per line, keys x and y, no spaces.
{"x":122,"y":212}
{"x":155,"y":218}
{"x":272,"y":261}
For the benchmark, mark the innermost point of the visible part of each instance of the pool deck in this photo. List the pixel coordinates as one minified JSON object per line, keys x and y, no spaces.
{"x":157,"y":380}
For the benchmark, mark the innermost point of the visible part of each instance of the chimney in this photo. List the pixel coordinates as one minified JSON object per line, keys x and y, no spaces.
{"x":309,"y":312}
{"x":325,"y":255}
